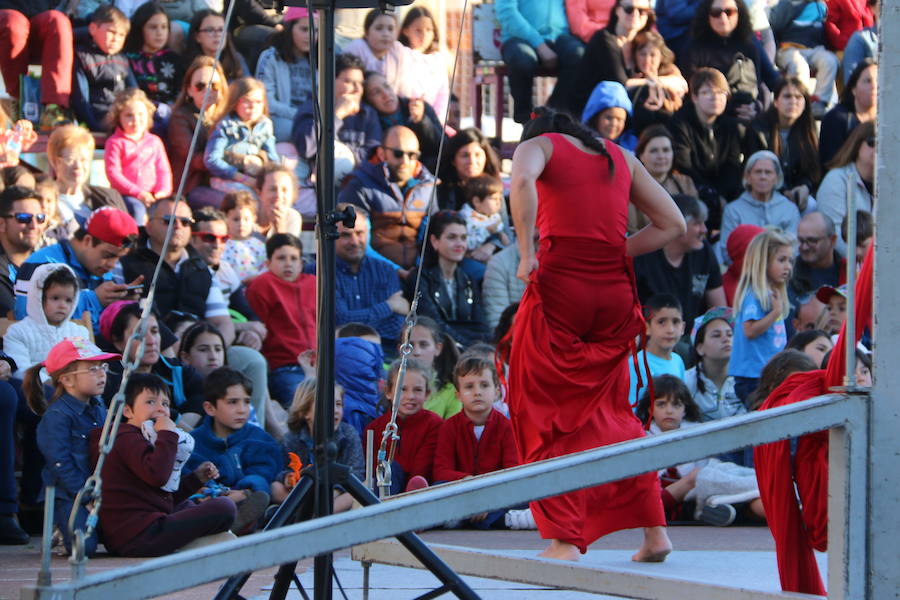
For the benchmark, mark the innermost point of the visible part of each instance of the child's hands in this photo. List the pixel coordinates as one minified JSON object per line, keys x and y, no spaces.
{"x":398,"y":303}
{"x":775,"y":295}
{"x":164,"y":423}
{"x":5,"y":370}
{"x":482,"y":253}
{"x":252,"y":164}
{"x":207,"y":471}
{"x":147,"y":198}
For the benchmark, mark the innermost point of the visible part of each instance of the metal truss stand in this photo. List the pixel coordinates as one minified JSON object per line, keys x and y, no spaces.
{"x":321,"y":477}
{"x":297,"y":506}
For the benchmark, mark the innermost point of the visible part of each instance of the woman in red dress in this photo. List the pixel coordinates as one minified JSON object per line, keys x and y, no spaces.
{"x":576,"y":325}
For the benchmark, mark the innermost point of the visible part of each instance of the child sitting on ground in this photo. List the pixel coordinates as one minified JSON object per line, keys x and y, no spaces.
{"x":78,"y":372}
{"x":285,"y":300}
{"x":137,"y":165}
{"x":101,"y":70}
{"x":665,"y":326}
{"x":299,"y":440}
{"x":146,"y":510}
{"x":50,"y":305}
{"x":478,"y":440}
{"x":484,"y":223}
{"x":418,"y":428}
{"x":245,"y":252}
{"x":248,"y":458}
{"x":720,"y":489}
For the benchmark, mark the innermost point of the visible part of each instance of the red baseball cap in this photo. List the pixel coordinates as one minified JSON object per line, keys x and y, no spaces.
{"x":73,"y":349}
{"x":111,"y":225}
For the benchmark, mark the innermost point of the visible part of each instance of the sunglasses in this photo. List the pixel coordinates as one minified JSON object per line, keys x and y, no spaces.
{"x":632,"y":9}
{"x":715,"y":13}
{"x":211,"y":238}
{"x":201,"y":86}
{"x":185,"y":221}
{"x":870,"y":142}
{"x":25,"y":218}
{"x":398,"y":153}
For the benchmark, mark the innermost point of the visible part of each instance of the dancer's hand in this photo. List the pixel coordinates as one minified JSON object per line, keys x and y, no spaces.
{"x":526,"y":266}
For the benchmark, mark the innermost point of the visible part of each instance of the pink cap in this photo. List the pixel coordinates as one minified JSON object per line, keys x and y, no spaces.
{"x":73,"y":349}
{"x":109,"y":315}
{"x":111,"y":225}
{"x":295,"y":12}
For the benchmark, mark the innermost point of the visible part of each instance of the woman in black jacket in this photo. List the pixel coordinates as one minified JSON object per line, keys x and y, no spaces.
{"x":447,"y":294}
{"x":788,"y":129}
{"x":858,"y":104}
{"x":722,"y":38}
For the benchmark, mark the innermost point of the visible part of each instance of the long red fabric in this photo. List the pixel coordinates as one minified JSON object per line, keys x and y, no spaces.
{"x":800,"y":525}
{"x":573,"y":333}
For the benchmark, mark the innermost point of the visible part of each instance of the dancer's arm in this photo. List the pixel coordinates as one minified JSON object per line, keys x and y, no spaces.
{"x":529,"y":161}
{"x":666,"y":222}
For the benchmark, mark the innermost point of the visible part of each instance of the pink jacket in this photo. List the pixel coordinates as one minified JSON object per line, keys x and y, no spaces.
{"x":586,"y":17}
{"x":133,"y":167}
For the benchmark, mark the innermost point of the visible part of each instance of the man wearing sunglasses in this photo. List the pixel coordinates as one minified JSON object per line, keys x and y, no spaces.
{"x":185,"y":281}
{"x":395,"y":192}
{"x":21,"y":224}
{"x":93,"y":253}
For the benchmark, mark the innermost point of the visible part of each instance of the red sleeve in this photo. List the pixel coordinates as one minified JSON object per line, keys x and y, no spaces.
{"x":423,"y":451}
{"x":445,"y":453}
{"x":257,"y":295}
{"x":509,"y":456}
{"x":152,"y":463}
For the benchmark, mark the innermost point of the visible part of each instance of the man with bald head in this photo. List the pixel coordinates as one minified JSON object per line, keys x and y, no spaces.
{"x":395,"y":192}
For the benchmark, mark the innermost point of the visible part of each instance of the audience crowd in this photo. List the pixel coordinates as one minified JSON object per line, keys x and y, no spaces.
{"x":743,"y":112}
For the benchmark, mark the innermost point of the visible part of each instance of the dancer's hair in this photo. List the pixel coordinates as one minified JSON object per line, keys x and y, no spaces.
{"x":547,"y":120}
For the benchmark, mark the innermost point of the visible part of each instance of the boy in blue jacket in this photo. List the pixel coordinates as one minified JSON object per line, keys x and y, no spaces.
{"x":247,"y":457}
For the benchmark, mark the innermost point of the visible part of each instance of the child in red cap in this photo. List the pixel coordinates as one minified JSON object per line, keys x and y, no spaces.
{"x":77,"y":370}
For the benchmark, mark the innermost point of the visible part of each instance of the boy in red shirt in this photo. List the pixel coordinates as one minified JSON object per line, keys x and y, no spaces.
{"x":285,"y":299}
{"x":478,"y":440}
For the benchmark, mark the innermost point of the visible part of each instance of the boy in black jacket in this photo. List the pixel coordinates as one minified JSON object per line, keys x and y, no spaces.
{"x":101,"y":70}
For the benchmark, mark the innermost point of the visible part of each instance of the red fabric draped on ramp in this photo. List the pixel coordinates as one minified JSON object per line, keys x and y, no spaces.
{"x":801,"y":526}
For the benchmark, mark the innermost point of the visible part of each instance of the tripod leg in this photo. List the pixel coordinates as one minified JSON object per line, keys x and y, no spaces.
{"x":288,"y":509}
{"x":414,"y":544}
{"x":284,"y":577}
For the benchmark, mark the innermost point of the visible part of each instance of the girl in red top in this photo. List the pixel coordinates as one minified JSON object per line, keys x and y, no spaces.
{"x":568,"y":375}
{"x":418,"y":428}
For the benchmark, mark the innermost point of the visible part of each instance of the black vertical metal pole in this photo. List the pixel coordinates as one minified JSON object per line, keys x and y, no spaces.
{"x":324,"y":417}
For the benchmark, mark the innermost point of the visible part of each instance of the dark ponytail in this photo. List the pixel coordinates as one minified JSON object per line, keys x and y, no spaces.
{"x":547,"y":120}
{"x":33,"y":388}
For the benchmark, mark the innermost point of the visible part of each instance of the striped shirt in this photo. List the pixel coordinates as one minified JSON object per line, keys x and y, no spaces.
{"x":361,"y":297}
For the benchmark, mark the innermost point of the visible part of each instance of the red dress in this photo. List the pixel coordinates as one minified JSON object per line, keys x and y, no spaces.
{"x":573,"y":334}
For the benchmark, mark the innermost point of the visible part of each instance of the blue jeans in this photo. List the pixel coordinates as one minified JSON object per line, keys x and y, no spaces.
{"x":523,"y":62}
{"x":136,"y":208}
{"x":8,"y":404}
{"x":61,"y":510}
{"x":744,"y":386}
{"x":283,"y":382}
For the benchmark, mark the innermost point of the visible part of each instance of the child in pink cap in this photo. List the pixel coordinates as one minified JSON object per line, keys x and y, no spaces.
{"x":77,"y":371}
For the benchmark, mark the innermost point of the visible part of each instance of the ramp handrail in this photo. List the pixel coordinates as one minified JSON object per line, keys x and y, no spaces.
{"x":457,"y":500}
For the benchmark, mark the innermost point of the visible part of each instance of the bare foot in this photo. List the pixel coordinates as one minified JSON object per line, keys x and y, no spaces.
{"x":561,"y":551}
{"x":656,"y":546}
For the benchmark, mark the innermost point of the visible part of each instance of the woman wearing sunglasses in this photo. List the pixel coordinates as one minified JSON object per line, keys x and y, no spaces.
{"x":202,"y":73}
{"x":610,"y":55}
{"x":722,"y":38}
{"x":852,"y":172}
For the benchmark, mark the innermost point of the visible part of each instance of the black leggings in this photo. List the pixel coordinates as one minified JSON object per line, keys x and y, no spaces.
{"x":189,"y":522}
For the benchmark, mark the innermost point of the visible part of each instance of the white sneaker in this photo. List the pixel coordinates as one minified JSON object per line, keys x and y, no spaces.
{"x":519,"y":519}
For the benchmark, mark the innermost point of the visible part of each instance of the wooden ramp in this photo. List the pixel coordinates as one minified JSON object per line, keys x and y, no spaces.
{"x":625,"y":583}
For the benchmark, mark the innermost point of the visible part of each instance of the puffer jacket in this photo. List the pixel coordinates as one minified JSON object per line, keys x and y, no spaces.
{"x":396,"y":215}
{"x":29,"y":341}
{"x":359,"y":368}
{"x":232,"y":139}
